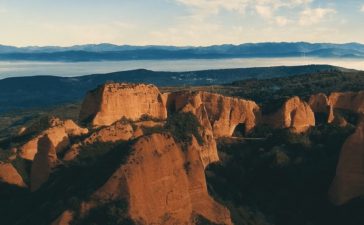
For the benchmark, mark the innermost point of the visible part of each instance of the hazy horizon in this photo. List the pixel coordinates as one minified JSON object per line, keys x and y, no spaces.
{"x":181,"y":46}
{"x":179,"y":22}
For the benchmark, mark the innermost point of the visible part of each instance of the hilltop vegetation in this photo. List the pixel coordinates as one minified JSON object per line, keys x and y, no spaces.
{"x":44,"y":91}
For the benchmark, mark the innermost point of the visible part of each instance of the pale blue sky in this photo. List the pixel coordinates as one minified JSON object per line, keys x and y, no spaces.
{"x":179,"y":22}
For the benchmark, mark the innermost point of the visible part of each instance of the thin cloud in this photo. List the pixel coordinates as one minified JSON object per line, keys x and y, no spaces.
{"x":314,"y":16}
{"x":362,"y":8}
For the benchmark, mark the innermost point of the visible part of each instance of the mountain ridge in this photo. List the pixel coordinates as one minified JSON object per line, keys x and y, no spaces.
{"x":112,"y":52}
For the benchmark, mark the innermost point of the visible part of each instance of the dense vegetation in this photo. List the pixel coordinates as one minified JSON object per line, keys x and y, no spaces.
{"x":271,"y":93}
{"x":182,"y":126}
{"x":43,"y":91}
{"x":284,"y":179}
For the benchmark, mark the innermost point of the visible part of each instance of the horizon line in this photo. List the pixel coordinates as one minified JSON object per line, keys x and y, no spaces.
{"x":179,"y":46}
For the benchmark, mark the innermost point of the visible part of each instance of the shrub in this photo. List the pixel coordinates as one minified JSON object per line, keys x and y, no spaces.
{"x":182,"y":126}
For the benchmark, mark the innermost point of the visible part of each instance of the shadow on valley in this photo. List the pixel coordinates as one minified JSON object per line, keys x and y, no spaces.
{"x":67,"y":187}
{"x":284,"y":179}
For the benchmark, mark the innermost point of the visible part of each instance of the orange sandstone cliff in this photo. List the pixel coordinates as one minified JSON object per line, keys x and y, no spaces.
{"x":163,"y":184}
{"x":111,"y":102}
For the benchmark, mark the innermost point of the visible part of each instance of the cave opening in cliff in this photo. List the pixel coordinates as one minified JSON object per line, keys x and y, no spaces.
{"x":239,"y":130}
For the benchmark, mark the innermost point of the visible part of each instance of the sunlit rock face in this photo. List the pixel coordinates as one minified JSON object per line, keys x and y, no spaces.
{"x":223,"y":113}
{"x":9,"y":175}
{"x":217,"y":114}
{"x":295,"y":114}
{"x":59,"y":133}
{"x":111,"y":102}
{"x":45,"y":159}
{"x":349,"y":180}
{"x":159,"y":179}
{"x":226,"y":113}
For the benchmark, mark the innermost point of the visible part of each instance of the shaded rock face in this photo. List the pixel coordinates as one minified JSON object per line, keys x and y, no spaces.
{"x":349,"y":180}
{"x":45,"y":159}
{"x":9,"y":175}
{"x":111,"y":102}
{"x":58,"y":133}
{"x":163,"y":184}
{"x":319,"y":103}
{"x":295,"y":114}
{"x":350,"y":101}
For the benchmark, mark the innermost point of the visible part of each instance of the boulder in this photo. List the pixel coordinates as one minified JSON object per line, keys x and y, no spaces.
{"x":113,"y":101}
{"x":349,"y":180}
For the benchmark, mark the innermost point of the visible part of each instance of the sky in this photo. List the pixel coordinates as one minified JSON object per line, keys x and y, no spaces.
{"x":179,"y":22}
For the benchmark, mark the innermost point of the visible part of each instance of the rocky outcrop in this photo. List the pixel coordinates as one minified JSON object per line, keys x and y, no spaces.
{"x":9,"y":175}
{"x":295,"y":114}
{"x":226,"y":113}
{"x":217,"y":114}
{"x":163,"y":184}
{"x":58,"y":133}
{"x":45,"y":159}
{"x":223,"y":113}
{"x":319,"y":104}
{"x":111,"y":102}
{"x":119,"y":131}
{"x":349,"y":180}
{"x":349,"y":101}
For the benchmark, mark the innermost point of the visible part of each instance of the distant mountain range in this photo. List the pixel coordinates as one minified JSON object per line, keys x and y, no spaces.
{"x":97,"y":52}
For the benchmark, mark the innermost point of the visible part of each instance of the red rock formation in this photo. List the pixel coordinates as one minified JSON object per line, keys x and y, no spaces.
{"x":319,"y":103}
{"x":45,"y":159}
{"x":111,"y":102}
{"x":163,"y":184}
{"x":9,"y":175}
{"x":349,"y":180}
{"x":351,"y":101}
{"x":59,"y":133}
{"x":223,"y":113}
{"x":295,"y":114}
